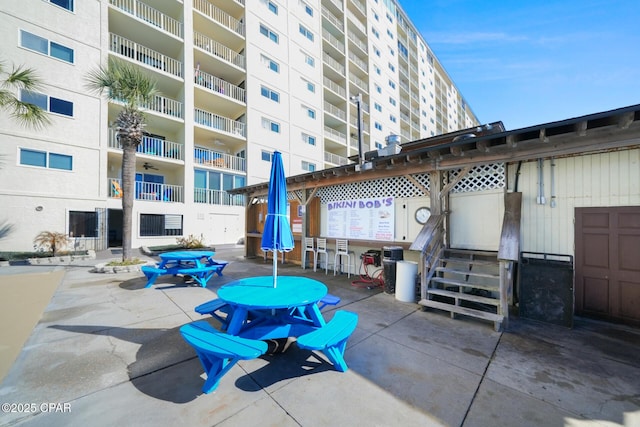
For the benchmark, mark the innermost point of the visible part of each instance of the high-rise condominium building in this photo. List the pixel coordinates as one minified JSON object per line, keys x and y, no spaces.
{"x":238,"y":79}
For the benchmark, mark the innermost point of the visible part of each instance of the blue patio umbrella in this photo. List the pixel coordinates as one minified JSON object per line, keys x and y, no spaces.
{"x":277,"y":236}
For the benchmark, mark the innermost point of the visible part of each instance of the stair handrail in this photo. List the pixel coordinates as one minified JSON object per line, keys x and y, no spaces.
{"x":509,"y":249}
{"x":430,"y":243}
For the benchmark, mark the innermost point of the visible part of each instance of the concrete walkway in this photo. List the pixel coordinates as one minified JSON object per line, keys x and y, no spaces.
{"x":106,"y":351}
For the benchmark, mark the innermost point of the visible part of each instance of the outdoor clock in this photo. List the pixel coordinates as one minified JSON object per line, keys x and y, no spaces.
{"x":422,"y":214}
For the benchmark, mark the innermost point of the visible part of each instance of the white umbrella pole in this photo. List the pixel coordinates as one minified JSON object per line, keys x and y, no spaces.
{"x":275,"y":268}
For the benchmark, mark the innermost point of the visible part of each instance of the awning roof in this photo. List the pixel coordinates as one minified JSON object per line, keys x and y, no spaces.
{"x":603,"y":131}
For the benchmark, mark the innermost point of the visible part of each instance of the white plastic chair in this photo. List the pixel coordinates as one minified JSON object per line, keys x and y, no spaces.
{"x":321,"y":248}
{"x":342,"y":250}
{"x":308,"y":247}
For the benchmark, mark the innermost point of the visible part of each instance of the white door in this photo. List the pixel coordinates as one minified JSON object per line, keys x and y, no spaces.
{"x":224,"y":228}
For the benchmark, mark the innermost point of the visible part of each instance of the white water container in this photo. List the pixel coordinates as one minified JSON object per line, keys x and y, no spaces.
{"x":406,"y":272}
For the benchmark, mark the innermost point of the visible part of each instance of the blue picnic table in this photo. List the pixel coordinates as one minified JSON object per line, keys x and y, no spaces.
{"x":198,"y":264}
{"x":259,"y":311}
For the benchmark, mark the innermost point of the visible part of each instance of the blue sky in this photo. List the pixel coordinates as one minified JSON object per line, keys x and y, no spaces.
{"x":533,"y":62}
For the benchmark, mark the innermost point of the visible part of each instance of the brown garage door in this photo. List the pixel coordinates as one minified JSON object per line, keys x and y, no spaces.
{"x":608,"y":263}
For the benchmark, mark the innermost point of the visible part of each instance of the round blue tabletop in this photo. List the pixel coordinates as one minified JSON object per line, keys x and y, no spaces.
{"x":259,"y":293}
{"x":186,"y":255}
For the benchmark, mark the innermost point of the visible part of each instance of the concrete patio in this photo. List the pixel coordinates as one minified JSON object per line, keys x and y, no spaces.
{"x":109,"y":351}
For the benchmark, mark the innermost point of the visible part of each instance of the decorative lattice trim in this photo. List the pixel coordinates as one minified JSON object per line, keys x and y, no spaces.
{"x":481,"y":177}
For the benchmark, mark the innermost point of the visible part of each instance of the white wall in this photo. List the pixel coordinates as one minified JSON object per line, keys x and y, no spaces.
{"x":607,"y":179}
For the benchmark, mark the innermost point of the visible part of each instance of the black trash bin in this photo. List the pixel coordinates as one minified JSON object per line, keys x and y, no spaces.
{"x":389,"y":270}
{"x":391,"y":255}
{"x":546,"y":287}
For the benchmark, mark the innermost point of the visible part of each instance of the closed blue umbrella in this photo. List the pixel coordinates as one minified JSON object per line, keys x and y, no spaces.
{"x":277,"y":236}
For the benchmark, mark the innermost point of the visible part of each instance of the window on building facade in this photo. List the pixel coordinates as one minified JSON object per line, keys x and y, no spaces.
{"x":392,"y":101}
{"x":393,"y":118}
{"x":310,"y":86}
{"x":377,"y":106}
{"x":272,"y":7}
{"x":307,"y":9}
{"x":308,"y":59}
{"x":311,"y":167}
{"x":270,"y":125}
{"x":212,"y":186}
{"x":270,"y":63}
{"x":45,"y":46}
{"x":269,"y":93}
{"x":48,"y":103}
{"x":160,"y":225}
{"x":266,"y":155}
{"x":45,"y":159}
{"x":378,"y":126}
{"x":311,"y":140}
{"x":66,"y":4}
{"x":306,"y":32}
{"x":311,"y":112}
{"x":273,"y":36}
{"x":83,"y":224}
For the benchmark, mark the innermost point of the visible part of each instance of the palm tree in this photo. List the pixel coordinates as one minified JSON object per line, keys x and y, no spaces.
{"x":128,"y":84}
{"x":21,"y":78}
{"x":27,"y":114}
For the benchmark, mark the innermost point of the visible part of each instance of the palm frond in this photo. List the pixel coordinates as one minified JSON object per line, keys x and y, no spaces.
{"x":21,"y":79}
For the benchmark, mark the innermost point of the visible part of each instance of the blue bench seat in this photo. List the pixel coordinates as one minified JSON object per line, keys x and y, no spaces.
{"x":332,"y":338}
{"x":200,"y":274}
{"x":221,"y":263}
{"x":212,"y":307}
{"x":219,"y":352}
{"x":152,"y":273}
{"x":328,"y":299}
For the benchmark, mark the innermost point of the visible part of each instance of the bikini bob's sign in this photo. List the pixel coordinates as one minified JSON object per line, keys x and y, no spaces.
{"x":363,"y":219}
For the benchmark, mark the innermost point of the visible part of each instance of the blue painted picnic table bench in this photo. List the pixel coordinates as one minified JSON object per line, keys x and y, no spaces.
{"x":219,"y":352}
{"x":252,"y":310}
{"x":187,"y":263}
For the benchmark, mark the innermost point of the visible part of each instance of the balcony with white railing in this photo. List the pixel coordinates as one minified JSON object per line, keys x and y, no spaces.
{"x":148,"y":14}
{"x":219,"y":86}
{"x":152,"y":146}
{"x":358,"y":42}
{"x":217,"y":197}
{"x":220,"y":16}
{"x":333,"y":41}
{"x":332,"y":18}
{"x":359,"y":62}
{"x":335,"y":159}
{"x":220,"y":123}
{"x":335,"y":111}
{"x":219,"y":50}
{"x":354,"y":122}
{"x":361,"y":84}
{"x":338,"y":67}
{"x":335,"y":135}
{"x":144,"y":55}
{"x":335,"y":87}
{"x":216,"y":159}
{"x":166,"y":106}
{"x":360,"y":6}
{"x":355,"y":20}
{"x":337,"y":3}
{"x":149,"y":191}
